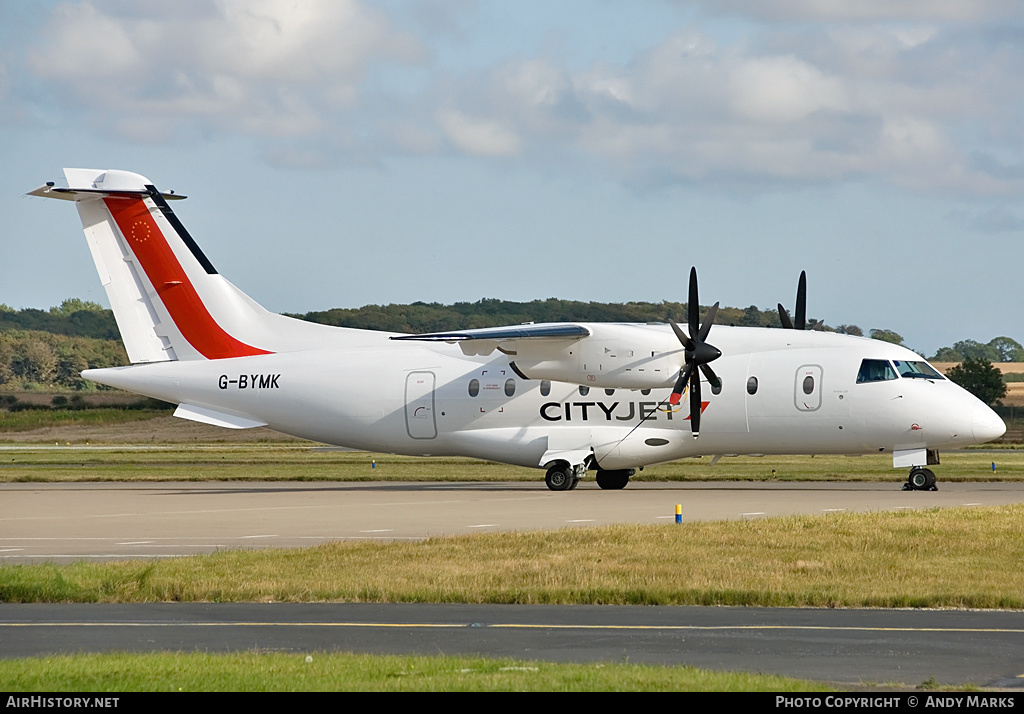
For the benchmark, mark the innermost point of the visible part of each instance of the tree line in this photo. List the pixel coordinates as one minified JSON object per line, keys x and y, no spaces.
{"x":33,"y":359}
{"x":490,"y":312}
{"x":73,"y":317}
{"x":1000,"y":349}
{"x":48,"y":349}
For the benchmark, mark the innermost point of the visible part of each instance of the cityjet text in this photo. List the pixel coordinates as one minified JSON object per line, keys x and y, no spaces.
{"x":616,"y":411}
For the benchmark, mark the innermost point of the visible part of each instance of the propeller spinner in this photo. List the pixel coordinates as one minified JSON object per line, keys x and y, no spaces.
{"x":698,"y":354}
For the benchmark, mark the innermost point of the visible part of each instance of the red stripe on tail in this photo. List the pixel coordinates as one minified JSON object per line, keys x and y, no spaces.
{"x":176,"y":291}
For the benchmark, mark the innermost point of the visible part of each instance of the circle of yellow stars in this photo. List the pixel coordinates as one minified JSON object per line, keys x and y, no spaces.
{"x":140,"y":231}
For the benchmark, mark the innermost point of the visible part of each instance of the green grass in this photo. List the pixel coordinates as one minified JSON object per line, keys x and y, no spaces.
{"x":247,"y":462}
{"x":936,"y":558}
{"x":318,"y":671}
{"x":29,"y":419}
{"x":302,"y":462}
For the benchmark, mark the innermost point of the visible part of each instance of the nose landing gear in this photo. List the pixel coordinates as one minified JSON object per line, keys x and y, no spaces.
{"x":920,"y":479}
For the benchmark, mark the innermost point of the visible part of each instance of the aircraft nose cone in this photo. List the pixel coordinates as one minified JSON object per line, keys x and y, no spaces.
{"x":987,"y":424}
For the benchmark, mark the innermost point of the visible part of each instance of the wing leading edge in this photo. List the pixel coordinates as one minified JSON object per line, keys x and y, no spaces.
{"x":516,"y":332}
{"x":485,"y":340}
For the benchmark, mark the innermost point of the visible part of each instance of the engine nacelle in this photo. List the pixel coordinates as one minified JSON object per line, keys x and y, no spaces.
{"x":614,"y":356}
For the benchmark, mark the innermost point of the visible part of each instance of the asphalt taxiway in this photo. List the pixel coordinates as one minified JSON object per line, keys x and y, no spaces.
{"x":96,"y":521}
{"x":847,"y":647}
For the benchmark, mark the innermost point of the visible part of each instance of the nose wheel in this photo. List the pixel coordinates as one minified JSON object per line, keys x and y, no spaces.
{"x":920,"y":479}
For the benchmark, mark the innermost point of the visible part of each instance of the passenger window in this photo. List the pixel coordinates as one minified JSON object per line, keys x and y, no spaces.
{"x":510,"y":387}
{"x":545,"y":387}
{"x":609,"y":392}
{"x":808,"y":384}
{"x":752,"y":385}
{"x":717,"y":388}
{"x":584,"y":391}
{"x":474,"y":387}
{"x":875,"y":370}
{"x":645,"y":392}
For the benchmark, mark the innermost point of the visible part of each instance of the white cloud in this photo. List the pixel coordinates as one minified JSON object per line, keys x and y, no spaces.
{"x":263,"y":67}
{"x":841,"y":95}
{"x":480,"y":137}
{"x":298,"y":42}
{"x":871,"y":102}
{"x":783,"y":89}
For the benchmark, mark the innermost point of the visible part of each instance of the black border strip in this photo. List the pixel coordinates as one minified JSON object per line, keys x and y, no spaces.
{"x":180,"y":229}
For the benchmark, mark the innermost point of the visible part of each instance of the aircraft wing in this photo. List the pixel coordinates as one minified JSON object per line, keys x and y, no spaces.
{"x":486,"y":339}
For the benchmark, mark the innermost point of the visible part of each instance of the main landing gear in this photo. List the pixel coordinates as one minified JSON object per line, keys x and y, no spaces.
{"x":920,"y":479}
{"x":614,"y":479}
{"x":565,"y":477}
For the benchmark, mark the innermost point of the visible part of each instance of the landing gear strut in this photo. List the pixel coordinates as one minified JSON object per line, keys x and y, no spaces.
{"x":920,"y":479}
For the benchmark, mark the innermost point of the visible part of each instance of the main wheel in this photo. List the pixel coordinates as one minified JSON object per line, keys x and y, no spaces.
{"x":931,"y":480}
{"x":921,"y":479}
{"x":559,"y":477}
{"x":614,"y":479}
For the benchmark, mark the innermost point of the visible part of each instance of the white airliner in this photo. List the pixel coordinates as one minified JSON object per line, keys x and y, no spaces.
{"x":565,"y":397}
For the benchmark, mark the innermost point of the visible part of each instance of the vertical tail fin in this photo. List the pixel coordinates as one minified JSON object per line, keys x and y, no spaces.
{"x":167,"y":298}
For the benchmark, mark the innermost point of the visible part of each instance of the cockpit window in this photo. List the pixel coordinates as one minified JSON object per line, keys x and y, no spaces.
{"x":916,"y":370}
{"x":875,"y":370}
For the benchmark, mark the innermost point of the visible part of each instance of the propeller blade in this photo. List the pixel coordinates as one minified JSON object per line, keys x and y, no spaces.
{"x":677,"y":391}
{"x":709,"y":320}
{"x":710,"y":374}
{"x":801,"y":302}
{"x":680,"y":335}
{"x":695,"y":404}
{"x":787,"y":324}
{"x":693,"y":306}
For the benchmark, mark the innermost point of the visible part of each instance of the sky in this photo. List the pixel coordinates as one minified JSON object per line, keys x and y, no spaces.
{"x":338,"y":153}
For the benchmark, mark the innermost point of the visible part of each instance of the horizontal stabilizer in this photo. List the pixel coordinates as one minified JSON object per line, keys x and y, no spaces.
{"x":74,"y":194}
{"x":216,"y":418}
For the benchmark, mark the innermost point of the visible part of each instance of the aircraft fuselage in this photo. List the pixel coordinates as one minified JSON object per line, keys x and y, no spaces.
{"x":432,"y":399}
